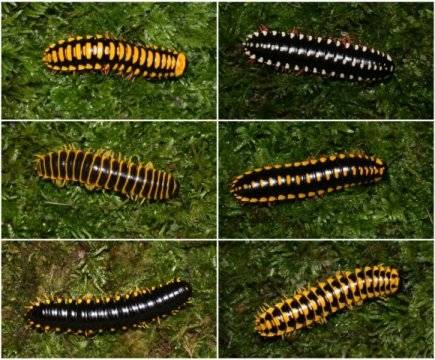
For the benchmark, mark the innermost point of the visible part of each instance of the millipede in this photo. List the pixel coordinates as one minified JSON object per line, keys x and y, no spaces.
{"x":314,"y":304}
{"x":102,"y":169}
{"x":90,"y":315}
{"x":106,"y":54}
{"x":328,"y":57}
{"x":307,"y":179}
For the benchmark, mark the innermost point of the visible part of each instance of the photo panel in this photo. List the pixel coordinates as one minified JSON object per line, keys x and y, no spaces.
{"x":159,"y":180}
{"x":60,"y":60}
{"x":282,"y":180}
{"x":323,"y":299}
{"x":282,"y":60}
{"x":89,"y":301}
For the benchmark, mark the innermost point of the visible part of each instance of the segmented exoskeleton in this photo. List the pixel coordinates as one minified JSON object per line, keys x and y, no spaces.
{"x":314,"y":304}
{"x":106,"y":54}
{"x":91,"y":314}
{"x":334,"y":58}
{"x":307,"y":179}
{"x":103,"y":170}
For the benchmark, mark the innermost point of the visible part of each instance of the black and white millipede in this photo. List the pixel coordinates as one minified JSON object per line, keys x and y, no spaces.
{"x":301,"y":53}
{"x":307,"y":179}
{"x":89,"y":315}
{"x":106,"y":54}
{"x":102,"y":169}
{"x":314,"y":304}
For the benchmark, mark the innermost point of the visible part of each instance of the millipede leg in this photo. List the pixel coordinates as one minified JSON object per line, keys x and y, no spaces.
{"x":105,"y":70}
{"x":299,"y":290}
{"x":142,"y":325}
{"x":263,"y":27}
{"x":60,"y":182}
{"x":149,"y":165}
{"x":347,"y":38}
{"x":90,"y":187}
{"x":294,"y":30}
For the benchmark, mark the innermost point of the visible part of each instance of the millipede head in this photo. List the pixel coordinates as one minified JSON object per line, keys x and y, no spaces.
{"x":39,"y":164}
{"x":265,"y":326}
{"x":395,"y":280}
{"x":176,"y":189}
{"x":33,"y":315}
{"x":180,"y":65}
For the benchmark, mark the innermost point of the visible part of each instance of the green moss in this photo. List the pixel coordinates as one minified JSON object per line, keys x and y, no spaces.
{"x":30,"y":91}
{"x":251,"y":273}
{"x":404,"y":30}
{"x":399,"y":207}
{"x":33,"y":269}
{"x":33,"y":208}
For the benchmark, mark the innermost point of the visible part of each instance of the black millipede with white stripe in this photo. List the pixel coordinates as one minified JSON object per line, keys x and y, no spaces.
{"x":102,"y":169}
{"x":335,"y":58}
{"x":89,"y":314}
{"x":307,"y":179}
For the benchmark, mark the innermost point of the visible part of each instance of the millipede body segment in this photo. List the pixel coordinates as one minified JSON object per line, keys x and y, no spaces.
{"x":103,"y":170}
{"x":314,"y":304}
{"x":105,"y":54}
{"x":294,"y":51}
{"x":307,"y":179}
{"x":91,"y":315}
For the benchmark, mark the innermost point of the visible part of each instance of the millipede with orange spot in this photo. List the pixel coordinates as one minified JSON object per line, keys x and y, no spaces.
{"x":313,"y":305}
{"x":103,"y":170}
{"x":106,"y":54}
{"x":307,"y":179}
{"x":89,"y":315}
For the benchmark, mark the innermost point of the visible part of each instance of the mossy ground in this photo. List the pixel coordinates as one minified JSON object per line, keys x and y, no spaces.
{"x":251,"y":91}
{"x":399,"y":207}
{"x":30,"y":91}
{"x":253,"y":273}
{"x":33,"y":208}
{"x":32,"y":269}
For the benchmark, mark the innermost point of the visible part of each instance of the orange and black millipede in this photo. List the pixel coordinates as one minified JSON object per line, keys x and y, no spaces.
{"x":307,"y":179}
{"x":104,"y":53}
{"x":89,"y":315}
{"x":313,"y":305}
{"x":101,"y":169}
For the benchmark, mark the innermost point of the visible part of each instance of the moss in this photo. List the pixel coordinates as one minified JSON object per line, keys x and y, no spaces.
{"x":33,"y":208}
{"x":30,"y":91}
{"x":404,"y":30}
{"x":32,"y":269}
{"x":251,"y":273}
{"x":399,"y":207}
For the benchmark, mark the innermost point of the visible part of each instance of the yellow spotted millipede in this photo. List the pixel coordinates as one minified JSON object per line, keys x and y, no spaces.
{"x":313,"y":305}
{"x":103,"y":170}
{"x":307,"y":179}
{"x":89,"y":315}
{"x":104,"y":53}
